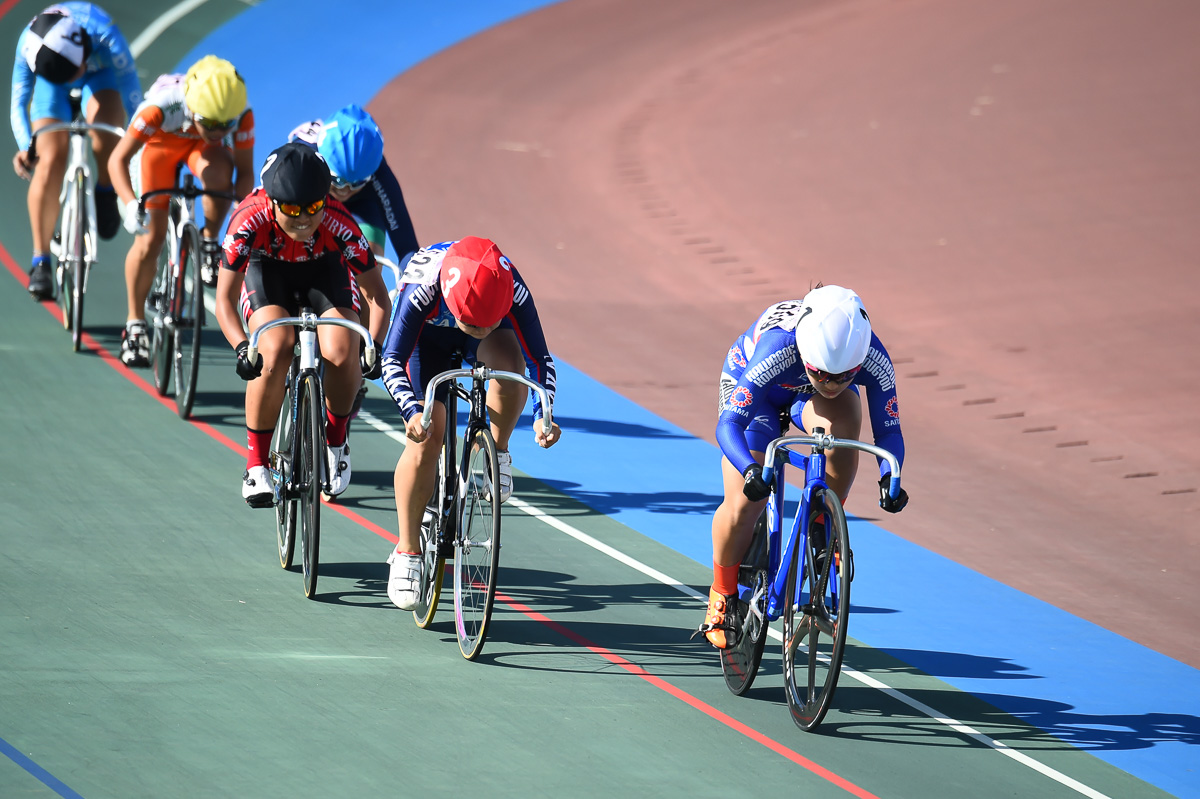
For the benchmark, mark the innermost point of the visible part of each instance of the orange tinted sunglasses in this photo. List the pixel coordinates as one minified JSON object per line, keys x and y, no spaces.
{"x":293,"y":210}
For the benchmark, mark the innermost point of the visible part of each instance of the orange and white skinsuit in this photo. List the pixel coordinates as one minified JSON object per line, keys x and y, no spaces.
{"x":165,"y":132}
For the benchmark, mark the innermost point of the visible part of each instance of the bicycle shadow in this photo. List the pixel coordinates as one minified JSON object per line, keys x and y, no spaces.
{"x":605,"y":427}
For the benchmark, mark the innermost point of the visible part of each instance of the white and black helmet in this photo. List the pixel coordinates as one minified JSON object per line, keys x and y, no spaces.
{"x":55,"y":45}
{"x":834,"y":331}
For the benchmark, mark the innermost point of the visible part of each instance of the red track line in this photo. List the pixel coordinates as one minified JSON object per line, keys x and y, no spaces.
{"x":608,"y":655}
{"x":6,"y":6}
{"x":688,"y":699}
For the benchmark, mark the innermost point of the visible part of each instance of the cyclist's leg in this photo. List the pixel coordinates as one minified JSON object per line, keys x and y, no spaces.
{"x":49,"y":104}
{"x":213,"y":165}
{"x":102,"y":103}
{"x":416,"y":473}
{"x":505,"y":398}
{"x":160,"y":161}
{"x":841,"y":417}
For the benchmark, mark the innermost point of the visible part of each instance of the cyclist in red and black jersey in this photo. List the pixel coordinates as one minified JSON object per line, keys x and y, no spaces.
{"x":289,"y":244}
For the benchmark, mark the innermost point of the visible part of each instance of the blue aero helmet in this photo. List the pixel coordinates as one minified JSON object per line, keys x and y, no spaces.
{"x":352,"y":145}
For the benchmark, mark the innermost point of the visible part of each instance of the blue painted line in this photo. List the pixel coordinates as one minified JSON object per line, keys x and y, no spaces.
{"x":43,"y":776}
{"x":1128,"y":705}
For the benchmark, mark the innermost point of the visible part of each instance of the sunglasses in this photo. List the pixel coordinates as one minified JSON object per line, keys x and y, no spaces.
{"x":821,"y":376}
{"x":212,"y":124}
{"x":293,"y":210}
{"x":340,"y":183}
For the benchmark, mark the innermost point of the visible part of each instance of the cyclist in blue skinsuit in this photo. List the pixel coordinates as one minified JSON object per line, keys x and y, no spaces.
{"x":352,"y":145}
{"x":457,"y":296}
{"x":804,"y":361}
{"x":68,"y":46}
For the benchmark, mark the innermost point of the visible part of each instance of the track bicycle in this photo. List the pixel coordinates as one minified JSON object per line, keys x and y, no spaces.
{"x":175,"y":305}
{"x":76,"y":241}
{"x":298,"y":447}
{"x":465,"y":518}
{"x":804,"y":579}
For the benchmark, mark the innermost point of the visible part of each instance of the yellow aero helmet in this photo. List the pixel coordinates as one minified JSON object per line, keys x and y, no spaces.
{"x":214,"y":90}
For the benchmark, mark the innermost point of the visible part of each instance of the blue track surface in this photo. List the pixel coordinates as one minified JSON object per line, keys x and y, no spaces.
{"x":1130,"y":706}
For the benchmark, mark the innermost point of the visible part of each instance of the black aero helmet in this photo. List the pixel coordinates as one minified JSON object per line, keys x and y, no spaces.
{"x":295,"y":174}
{"x":56,"y":46}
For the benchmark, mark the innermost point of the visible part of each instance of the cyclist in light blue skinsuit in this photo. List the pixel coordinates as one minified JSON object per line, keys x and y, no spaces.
{"x":801,"y":361}
{"x":68,"y":46}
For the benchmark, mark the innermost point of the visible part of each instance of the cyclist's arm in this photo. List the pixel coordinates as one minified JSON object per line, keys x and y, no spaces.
{"x":118,"y":166}
{"x":243,"y":161}
{"x":229,"y":290}
{"x":376,"y":295}
{"x":243,"y":155}
{"x":528,"y":327}
{"x":746,"y":391}
{"x":399,"y":224}
{"x":415,"y":304}
{"x":879,"y":378}
{"x":22,"y":91}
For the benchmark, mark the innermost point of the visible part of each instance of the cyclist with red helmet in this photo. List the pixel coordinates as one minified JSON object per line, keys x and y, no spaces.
{"x":802,"y":361}
{"x":289,"y":244}
{"x":457,"y":296}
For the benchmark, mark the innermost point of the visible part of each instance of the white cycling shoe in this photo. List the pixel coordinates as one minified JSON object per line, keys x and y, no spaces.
{"x":257,"y":487}
{"x":404,"y":580}
{"x":504,"y":458}
{"x":337,"y":468}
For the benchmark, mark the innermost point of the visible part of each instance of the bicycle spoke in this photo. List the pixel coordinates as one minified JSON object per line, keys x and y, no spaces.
{"x":477,"y":553}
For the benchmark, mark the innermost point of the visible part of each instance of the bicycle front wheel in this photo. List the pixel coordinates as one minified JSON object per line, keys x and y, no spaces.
{"x":159,"y":309}
{"x":189,"y":321}
{"x":310,"y":454}
{"x":433,"y":562}
{"x":740,"y":662}
{"x":477,"y":545}
{"x":282,"y":449}
{"x":815,"y":619}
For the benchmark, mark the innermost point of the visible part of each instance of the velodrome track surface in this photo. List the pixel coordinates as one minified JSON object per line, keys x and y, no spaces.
{"x":574,"y":168}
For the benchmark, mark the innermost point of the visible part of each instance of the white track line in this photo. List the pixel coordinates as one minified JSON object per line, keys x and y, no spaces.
{"x":156,"y":28}
{"x":654,"y":574}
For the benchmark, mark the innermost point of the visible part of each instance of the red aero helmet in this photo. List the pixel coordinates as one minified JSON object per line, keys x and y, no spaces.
{"x":477,"y":282}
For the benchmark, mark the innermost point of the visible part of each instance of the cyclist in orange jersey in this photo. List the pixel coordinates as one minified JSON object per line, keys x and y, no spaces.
{"x":200,"y":120}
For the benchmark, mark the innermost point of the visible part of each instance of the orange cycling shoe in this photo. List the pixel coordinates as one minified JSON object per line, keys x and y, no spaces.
{"x":715,"y":627}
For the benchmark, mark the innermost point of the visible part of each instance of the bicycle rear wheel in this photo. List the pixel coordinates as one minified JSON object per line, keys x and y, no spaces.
{"x":433,"y":565}
{"x":310,"y":424}
{"x":814,"y":623}
{"x":159,"y":310}
{"x":189,"y":321}
{"x":477,"y":545}
{"x":78,"y":253}
{"x":287,"y":507}
{"x":740,"y":662}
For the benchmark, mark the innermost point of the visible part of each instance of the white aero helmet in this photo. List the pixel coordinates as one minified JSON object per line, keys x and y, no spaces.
{"x":834,"y":332}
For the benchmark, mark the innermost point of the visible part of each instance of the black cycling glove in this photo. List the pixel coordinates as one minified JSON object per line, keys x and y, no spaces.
{"x":376,"y":369}
{"x":755,"y":488}
{"x":245,"y":369}
{"x":885,"y":500}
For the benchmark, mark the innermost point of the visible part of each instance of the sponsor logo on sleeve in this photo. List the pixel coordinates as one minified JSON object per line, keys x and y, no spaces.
{"x":741,"y":397}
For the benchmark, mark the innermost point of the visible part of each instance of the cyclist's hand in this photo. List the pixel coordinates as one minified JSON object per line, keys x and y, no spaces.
{"x":129,"y":217}
{"x":544,"y":439}
{"x":755,"y":488}
{"x":885,"y":500}
{"x":23,"y":164}
{"x":376,"y":369}
{"x":245,"y":369}
{"x":415,"y":431}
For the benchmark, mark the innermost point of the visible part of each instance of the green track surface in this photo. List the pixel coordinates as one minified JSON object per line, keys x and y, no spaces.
{"x":152,"y":646}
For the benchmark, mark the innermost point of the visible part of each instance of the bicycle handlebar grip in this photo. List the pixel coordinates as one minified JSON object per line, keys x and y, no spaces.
{"x":252,"y":353}
{"x":370,"y":353}
{"x":893,"y":486}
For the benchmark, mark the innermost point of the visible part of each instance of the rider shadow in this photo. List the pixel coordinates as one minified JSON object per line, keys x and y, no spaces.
{"x":559,"y":598}
{"x":605,"y":427}
{"x":370,"y":584}
{"x":1037,"y":724}
{"x":687,"y":503}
